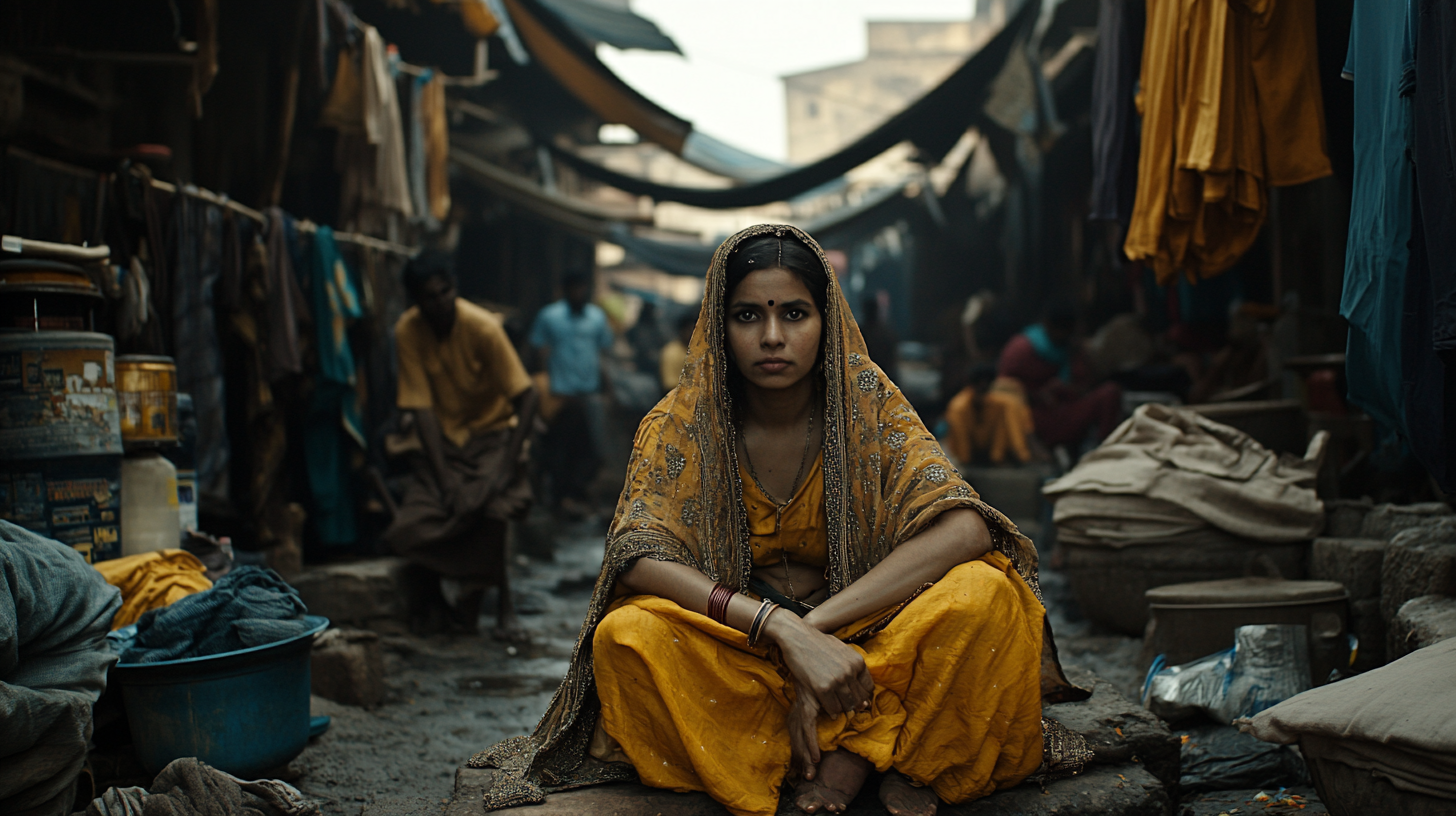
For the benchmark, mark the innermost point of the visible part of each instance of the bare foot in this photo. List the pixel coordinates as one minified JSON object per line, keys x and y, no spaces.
{"x":841,"y":774}
{"x":904,"y":799}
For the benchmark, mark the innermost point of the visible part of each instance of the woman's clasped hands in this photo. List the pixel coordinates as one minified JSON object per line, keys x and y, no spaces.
{"x":830,"y":678}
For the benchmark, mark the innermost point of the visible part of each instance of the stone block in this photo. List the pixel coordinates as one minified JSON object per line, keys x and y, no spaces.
{"x":1121,"y":730}
{"x":1386,"y":520}
{"x":1420,"y":561}
{"x":1425,"y":621}
{"x":347,"y":666}
{"x":354,"y":593}
{"x":1354,"y":562}
{"x":1344,"y":518}
{"x":1126,"y":790}
{"x":1368,"y":625}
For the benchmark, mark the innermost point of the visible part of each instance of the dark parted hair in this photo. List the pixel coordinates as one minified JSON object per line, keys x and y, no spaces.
{"x":429,"y":264}
{"x":769,"y":251}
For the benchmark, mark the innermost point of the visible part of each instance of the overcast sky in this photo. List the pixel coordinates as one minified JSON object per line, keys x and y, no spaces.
{"x":727,"y":83}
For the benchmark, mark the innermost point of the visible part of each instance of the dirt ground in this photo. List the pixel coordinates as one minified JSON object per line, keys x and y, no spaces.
{"x":453,"y":695}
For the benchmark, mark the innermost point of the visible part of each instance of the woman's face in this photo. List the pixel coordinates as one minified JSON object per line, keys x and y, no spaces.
{"x":773,"y":328}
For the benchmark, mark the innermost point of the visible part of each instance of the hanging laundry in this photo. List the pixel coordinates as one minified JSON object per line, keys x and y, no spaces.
{"x":278,"y":332}
{"x":1429,"y":387}
{"x":437,"y":146}
{"x":264,"y":432}
{"x":364,"y":107}
{"x":333,"y":429}
{"x":1120,"y":25}
{"x":197,"y":262}
{"x":412,"y":91}
{"x":1230,"y":100}
{"x":1378,"y":254}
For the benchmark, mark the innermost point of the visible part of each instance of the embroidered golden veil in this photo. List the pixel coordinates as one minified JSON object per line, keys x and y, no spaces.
{"x":885,"y":480}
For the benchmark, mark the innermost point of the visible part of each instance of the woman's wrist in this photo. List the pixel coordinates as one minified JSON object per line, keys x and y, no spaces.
{"x":781,"y":628}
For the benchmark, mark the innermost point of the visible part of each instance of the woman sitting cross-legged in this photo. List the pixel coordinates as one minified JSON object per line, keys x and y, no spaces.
{"x":797,"y":582}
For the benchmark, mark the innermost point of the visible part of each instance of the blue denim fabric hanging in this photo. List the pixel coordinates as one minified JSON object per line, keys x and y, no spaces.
{"x":334,"y":419}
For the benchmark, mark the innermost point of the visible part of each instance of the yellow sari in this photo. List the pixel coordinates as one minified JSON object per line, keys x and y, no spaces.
{"x":948,"y":711}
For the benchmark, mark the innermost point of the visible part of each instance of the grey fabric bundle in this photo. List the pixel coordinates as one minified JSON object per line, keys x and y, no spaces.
{"x":191,"y":787}
{"x":55,"y":611}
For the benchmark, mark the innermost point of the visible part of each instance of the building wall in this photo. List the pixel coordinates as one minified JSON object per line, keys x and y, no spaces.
{"x":831,"y":107}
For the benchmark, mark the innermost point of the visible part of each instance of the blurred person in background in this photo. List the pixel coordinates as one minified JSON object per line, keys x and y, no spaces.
{"x":1066,"y":405}
{"x":572,"y":335}
{"x":468,"y":407}
{"x":670,"y":360}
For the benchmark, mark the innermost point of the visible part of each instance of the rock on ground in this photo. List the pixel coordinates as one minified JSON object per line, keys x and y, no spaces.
{"x":347,"y":666}
{"x":1425,"y":621}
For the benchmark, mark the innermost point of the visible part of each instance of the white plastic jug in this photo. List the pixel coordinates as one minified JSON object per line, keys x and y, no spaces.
{"x":149,"y":514}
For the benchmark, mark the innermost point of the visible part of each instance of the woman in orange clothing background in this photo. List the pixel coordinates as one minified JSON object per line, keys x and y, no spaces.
{"x":797,"y":579}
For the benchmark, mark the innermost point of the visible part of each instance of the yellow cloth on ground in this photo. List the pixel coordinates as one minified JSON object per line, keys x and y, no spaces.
{"x":468,"y":379}
{"x":152,"y":580}
{"x":957,"y":702}
{"x":1230,"y":99}
{"x":1003,"y":423}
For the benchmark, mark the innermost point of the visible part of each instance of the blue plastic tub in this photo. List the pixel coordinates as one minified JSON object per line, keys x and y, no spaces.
{"x":243,"y":712}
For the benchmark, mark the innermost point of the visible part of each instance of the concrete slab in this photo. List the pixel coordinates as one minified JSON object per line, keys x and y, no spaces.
{"x":1121,"y":729}
{"x":353,"y":593}
{"x":1108,"y":791}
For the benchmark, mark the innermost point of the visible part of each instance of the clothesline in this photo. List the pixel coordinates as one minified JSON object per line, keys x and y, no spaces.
{"x":303,"y":226}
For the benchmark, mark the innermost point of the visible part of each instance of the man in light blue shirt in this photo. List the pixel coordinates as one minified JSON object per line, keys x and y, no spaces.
{"x":572,"y":334}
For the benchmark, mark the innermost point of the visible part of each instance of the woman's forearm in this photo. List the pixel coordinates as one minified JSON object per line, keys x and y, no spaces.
{"x":685,"y":587}
{"x":955,"y":537}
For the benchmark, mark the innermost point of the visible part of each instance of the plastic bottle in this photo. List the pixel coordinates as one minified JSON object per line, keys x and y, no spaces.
{"x":149,"y":513}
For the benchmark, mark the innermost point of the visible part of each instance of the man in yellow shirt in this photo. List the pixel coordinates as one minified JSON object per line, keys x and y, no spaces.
{"x":470,"y":403}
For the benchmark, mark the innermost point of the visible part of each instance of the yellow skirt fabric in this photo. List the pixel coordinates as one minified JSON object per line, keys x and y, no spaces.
{"x":957,"y":694}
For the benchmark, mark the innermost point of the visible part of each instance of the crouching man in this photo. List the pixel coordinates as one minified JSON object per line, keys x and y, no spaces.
{"x":470,"y":403}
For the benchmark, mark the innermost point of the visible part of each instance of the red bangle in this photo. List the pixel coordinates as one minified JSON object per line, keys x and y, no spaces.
{"x":718,"y":603}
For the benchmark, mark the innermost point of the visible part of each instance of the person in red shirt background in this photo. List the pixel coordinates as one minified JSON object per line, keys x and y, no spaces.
{"x":1065,"y":402}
